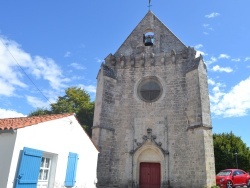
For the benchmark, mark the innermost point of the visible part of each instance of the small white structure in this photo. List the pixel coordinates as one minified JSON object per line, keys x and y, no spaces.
{"x":51,"y":151}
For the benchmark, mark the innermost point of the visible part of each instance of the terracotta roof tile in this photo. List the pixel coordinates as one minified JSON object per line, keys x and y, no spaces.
{"x":16,"y":123}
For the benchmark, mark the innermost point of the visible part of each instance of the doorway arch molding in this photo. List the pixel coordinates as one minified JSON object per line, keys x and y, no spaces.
{"x":151,"y":154}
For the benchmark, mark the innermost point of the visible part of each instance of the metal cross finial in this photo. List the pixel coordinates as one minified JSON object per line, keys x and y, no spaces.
{"x":149,"y":4}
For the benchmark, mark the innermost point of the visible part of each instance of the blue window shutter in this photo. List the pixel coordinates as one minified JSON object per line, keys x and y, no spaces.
{"x":29,"y":167}
{"x":70,"y":178}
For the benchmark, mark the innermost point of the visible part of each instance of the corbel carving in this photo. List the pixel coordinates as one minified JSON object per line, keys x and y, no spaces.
{"x":143,"y":60}
{"x":191,"y":52}
{"x":132,"y":60}
{"x":163,"y":58}
{"x":152,"y":56}
{"x":185,"y":53}
{"x":173,"y":56}
{"x":122,"y":61}
{"x":112,"y":60}
{"x":108,"y":71}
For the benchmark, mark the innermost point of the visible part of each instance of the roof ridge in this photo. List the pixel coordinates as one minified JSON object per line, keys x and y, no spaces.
{"x":21,"y":122}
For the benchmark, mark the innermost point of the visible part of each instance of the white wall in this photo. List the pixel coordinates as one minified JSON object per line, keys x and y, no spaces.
{"x":59,"y":137}
{"x":7,"y":142}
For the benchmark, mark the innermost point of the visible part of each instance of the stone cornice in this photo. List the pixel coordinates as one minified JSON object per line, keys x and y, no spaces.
{"x":103,"y":127}
{"x":203,"y":126}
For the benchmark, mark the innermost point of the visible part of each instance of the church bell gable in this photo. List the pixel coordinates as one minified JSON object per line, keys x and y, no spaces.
{"x":150,"y":35}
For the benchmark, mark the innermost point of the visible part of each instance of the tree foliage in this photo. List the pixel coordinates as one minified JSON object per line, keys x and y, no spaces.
{"x":230,"y":151}
{"x":75,"y":100}
{"x":40,"y":112}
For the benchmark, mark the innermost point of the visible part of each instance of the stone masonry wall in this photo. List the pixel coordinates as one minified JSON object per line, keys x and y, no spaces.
{"x":178,"y":108}
{"x":175,"y":129}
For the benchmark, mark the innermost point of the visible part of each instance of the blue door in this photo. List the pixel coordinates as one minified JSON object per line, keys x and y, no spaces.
{"x":28,"y":172}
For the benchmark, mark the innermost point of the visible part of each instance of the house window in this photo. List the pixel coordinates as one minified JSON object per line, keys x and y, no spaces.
{"x":44,"y":169}
{"x":43,"y":178}
{"x":36,"y":169}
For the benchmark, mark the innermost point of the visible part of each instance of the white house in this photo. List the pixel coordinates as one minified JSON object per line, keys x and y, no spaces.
{"x":51,"y":151}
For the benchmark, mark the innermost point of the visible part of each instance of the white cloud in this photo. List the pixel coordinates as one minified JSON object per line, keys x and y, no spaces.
{"x":14,"y":61}
{"x":208,"y":27}
{"x":11,"y":59}
{"x":50,"y":71}
{"x":205,"y":33}
{"x":75,"y":77}
{"x":212,"y":15}
{"x":236,"y":60}
{"x":211,"y":60}
{"x":67,"y":54}
{"x":77,"y":66}
{"x":211,"y":82}
{"x":198,"y":53}
{"x":6,"y":89}
{"x":198,"y":46}
{"x":98,"y":60}
{"x":36,"y":102}
{"x":224,"y":56}
{"x":205,"y":25}
{"x":216,"y":93}
{"x":10,"y":114}
{"x":217,"y":68}
{"x":235,"y":103}
{"x":89,"y":88}
{"x":247,"y":59}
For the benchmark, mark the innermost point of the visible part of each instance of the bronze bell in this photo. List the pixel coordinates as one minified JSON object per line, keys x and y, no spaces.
{"x":148,"y":40}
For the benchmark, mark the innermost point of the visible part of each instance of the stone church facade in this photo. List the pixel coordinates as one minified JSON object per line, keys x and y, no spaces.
{"x":152,"y":119}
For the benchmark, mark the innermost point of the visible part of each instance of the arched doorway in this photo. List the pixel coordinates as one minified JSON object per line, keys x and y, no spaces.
{"x":149,"y":166}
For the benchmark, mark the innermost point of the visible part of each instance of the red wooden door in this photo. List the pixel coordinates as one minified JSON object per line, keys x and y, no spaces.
{"x":150,"y":175}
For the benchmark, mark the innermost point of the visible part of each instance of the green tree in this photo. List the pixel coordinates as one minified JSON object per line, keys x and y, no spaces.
{"x":75,"y":100}
{"x":40,"y":112}
{"x":226,"y":145}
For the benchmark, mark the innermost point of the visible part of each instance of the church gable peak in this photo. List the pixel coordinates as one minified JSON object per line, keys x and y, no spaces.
{"x":150,"y":36}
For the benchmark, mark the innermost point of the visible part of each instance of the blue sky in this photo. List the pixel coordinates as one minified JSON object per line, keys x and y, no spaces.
{"x":58,"y":44}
